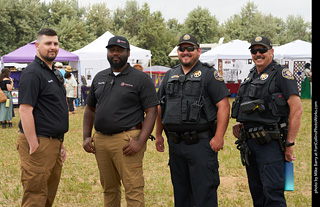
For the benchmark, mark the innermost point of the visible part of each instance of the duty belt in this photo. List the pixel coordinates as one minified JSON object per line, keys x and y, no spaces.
{"x":190,"y":137}
{"x":261,"y":135}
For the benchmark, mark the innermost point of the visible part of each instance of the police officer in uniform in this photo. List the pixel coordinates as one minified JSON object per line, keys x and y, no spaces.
{"x":266,"y":101}
{"x":194,"y":114}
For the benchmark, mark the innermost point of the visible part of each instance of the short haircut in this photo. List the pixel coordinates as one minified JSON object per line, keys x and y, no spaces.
{"x":47,"y":32}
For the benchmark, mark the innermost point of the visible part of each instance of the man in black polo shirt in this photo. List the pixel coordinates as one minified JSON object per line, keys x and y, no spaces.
{"x":44,"y":120}
{"x":118,"y":98}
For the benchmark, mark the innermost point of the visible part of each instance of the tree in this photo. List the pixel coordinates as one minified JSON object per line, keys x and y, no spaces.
{"x":203,"y":25}
{"x":98,"y":18}
{"x":20,"y":22}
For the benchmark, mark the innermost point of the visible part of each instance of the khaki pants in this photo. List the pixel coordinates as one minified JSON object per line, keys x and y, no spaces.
{"x":40,"y":172}
{"x":114,"y":167}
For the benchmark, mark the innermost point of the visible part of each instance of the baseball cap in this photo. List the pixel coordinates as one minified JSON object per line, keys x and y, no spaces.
{"x":261,"y":40}
{"x":119,"y":41}
{"x":188,"y":38}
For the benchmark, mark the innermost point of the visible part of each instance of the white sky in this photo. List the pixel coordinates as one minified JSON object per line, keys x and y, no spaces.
{"x":223,"y":9}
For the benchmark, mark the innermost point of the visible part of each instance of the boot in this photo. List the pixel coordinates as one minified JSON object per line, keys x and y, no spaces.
{"x":4,"y":125}
{"x":10,"y":124}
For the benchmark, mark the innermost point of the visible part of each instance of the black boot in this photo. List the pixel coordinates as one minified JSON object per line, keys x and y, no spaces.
{"x":4,"y":125}
{"x":10,"y":124}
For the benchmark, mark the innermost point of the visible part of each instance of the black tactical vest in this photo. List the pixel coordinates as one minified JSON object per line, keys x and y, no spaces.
{"x":186,"y":101}
{"x":258,"y":99}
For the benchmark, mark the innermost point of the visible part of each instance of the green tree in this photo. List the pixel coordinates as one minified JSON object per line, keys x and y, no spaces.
{"x":20,"y":22}
{"x":98,"y":18}
{"x":203,"y":25}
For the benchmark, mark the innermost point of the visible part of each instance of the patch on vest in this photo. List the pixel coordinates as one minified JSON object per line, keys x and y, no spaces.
{"x":175,"y":76}
{"x":197,"y":74}
{"x":287,"y":74}
{"x":218,"y":76}
{"x":264,"y":76}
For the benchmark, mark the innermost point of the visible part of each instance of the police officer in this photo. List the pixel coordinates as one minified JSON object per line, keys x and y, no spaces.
{"x":194,"y":114}
{"x":266,"y":99}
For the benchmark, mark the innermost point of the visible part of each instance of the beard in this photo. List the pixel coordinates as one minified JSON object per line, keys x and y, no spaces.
{"x":119,"y":64}
{"x":187,"y":64}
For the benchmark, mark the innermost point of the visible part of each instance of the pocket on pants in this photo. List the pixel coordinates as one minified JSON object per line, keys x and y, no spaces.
{"x":33,"y":178}
{"x":213,"y":174}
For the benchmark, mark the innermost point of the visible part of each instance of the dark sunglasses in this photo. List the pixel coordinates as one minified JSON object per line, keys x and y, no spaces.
{"x":189,"y":49}
{"x":59,"y":76}
{"x":260,"y":50}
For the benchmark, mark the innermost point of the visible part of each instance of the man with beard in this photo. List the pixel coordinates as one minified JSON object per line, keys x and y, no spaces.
{"x":268,"y":111}
{"x":44,"y":121}
{"x":194,"y":114}
{"x":118,"y":98}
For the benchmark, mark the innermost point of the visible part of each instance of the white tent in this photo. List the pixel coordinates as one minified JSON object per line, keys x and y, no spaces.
{"x":93,"y":57}
{"x":294,"y":55}
{"x":297,"y":49}
{"x":232,"y":59}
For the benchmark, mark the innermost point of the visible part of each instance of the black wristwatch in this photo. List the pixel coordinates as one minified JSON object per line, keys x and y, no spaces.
{"x":288,"y":144}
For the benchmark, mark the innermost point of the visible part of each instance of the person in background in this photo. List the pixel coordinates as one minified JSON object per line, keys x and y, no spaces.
{"x":306,"y":86}
{"x":6,"y":84}
{"x":59,"y":66}
{"x":71,"y":88}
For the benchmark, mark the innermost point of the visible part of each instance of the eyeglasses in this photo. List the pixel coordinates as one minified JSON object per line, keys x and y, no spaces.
{"x":189,"y":49}
{"x":260,"y":50}
{"x":58,"y":75}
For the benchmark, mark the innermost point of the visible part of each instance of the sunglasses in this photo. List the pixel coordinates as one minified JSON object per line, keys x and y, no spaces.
{"x":189,"y":49}
{"x":59,"y":76}
{"x":260,"y":50}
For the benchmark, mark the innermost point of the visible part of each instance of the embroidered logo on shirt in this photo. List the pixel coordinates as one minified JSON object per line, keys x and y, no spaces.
{"x":50,"y":81}
{"x":126,"y":84}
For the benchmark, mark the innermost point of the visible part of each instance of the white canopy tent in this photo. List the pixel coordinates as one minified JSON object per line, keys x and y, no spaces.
{"x":297,"y":49}
{"x":232,"y":59}
{"x":93,"y":57}
{"x":294,"y":55}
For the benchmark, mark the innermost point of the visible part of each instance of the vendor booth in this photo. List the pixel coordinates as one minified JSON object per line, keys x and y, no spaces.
{"x":157,"y":73}
{"x":26,"y":54}
{"x":93,"y":57}
{"x":233,"y":60}
{"x":295,"y":55}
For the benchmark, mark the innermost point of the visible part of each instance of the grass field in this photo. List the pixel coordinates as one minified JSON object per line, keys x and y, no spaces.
{"x":80,"y":185}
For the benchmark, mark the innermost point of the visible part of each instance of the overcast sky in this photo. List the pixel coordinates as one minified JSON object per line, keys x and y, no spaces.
{"x":223,"y":9}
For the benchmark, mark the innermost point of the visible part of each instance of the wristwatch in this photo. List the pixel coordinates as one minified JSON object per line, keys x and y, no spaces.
{"x":288,"y":144}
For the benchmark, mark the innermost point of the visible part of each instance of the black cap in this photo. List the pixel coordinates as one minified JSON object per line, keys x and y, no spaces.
{"x":119,"y":41}
{"x":188,"y":38}
{"x":261,"y":40}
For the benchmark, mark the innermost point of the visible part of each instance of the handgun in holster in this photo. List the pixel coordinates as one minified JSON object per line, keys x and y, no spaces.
{"x":243,"y":147}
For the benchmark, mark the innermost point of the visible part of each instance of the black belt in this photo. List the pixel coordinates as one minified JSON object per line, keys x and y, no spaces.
{"x":190,"y":137}
{"x":138,"y":126}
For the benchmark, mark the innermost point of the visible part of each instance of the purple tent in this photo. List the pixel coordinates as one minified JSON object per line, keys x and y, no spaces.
{"x":26,"y":54}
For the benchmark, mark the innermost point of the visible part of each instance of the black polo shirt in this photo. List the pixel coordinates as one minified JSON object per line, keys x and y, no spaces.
{"x":39,"y":87}
{"x":120,"y":100}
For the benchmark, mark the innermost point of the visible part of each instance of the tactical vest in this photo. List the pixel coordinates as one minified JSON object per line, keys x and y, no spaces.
{"x":186,"y":101}
{"x":258,"y":100}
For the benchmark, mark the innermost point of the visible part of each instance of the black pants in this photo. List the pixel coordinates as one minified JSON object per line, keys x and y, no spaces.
{"x":194,"y":173}
{"x":70,"y":104}
{"x":266,"y":174}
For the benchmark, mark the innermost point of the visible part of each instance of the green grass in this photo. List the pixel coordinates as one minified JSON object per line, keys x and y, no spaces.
{"x":80,"y":184}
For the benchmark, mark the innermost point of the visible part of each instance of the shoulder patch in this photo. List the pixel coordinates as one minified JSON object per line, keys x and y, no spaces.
{"x":287,"y":74}
{"x":218,"y":76}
